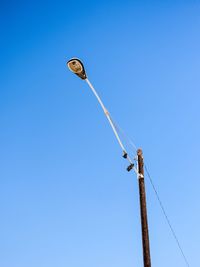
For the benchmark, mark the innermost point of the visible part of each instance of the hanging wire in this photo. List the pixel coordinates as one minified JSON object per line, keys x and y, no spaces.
{"x":156,"y":193}
{"x":166,"y":217}
{"x":129,"y":140}
{"x":132,"y":147}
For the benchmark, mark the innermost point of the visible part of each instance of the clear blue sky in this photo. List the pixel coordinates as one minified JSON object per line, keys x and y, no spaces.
{"x":66,"y":199}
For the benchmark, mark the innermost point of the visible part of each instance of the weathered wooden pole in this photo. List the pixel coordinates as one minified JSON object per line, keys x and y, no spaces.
{"x":143,"y":211}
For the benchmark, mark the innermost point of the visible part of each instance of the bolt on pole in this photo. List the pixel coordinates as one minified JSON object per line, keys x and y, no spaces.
{"x":143,"y":211}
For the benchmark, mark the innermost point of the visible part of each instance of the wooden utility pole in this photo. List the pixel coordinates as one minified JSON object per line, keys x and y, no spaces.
{"x":143,"y":211}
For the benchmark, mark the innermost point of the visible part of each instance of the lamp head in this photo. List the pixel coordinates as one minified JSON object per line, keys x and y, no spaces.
{"x":76,"y":66}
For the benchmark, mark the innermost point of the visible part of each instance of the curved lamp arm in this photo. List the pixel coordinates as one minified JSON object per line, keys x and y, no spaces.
{"x":76,"y":66}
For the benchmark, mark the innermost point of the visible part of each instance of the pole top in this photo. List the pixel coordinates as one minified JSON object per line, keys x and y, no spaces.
{"x":139,"y":152}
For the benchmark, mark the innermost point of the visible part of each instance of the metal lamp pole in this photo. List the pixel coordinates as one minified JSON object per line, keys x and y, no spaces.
{"x":77,"y":67}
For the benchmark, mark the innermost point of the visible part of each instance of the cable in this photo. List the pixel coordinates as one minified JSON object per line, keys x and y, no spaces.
{"x":166,"y":217}
{"x":130,"y":142}
{"x":157,"y":195}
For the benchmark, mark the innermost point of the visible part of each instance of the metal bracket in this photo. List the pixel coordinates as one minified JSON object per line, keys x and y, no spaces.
{"x":125,"y":155}
{"x":130,"y":167}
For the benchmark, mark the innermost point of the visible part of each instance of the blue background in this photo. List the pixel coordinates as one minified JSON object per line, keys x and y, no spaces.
{"x":65,"y":197}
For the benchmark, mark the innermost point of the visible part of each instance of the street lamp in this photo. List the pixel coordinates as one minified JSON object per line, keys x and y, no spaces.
{"x":76,"y":66}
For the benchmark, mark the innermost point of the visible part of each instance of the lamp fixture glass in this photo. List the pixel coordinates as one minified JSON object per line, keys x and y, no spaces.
{"x":76,"y":66}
